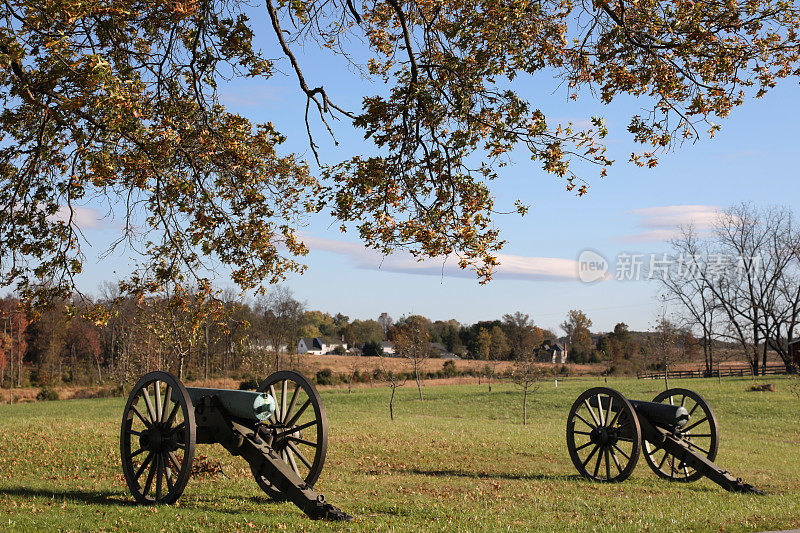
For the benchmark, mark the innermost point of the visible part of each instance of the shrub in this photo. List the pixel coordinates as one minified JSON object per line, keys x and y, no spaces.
{"x":449,"y":368}
{"x":249,"y":384}
{"x":47,"y":395}
{"x":325,"y":377}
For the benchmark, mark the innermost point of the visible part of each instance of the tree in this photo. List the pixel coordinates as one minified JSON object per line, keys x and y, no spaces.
{"x":283,"y":317}
{"x":576,"y":326}
{"x":394,"y":383}
{"x":663,"y":346}
{"x":693,"y":293}
{"x":498,"y":350}
{"x":82,"y":340}
{"x":744,"y":280}
{"x":386,"y":322}
{"x":123,"y":108}
{"x":372,"y":349}
{"x":527,"y":375}
{"x":412,"y":341}
{"x":523,"y":337}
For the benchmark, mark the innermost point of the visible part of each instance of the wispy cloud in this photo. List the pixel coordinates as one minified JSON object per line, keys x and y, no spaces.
{"x":741,"y":154}
{"x":661,"y":223}
{"x":83,"y":217}
{"x":511,"y":266}
{"x":250,"y":95}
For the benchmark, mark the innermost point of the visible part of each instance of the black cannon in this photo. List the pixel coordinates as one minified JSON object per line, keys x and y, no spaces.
{"x":676,"y":432}
{"x":281,"y":430}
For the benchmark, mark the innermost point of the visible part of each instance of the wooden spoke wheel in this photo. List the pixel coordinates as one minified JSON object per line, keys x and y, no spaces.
{"x":157,"y":440}
{"x":603,"y":435}
{"x":700,"y":433}
{"x":298,"y":431}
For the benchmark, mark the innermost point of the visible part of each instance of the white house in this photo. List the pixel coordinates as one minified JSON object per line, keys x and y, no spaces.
{"x":319,"y":345}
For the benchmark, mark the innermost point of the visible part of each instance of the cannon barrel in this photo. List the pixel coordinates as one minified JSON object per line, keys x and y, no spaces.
{"x":659,"y":414}
{"x":249,"y":405}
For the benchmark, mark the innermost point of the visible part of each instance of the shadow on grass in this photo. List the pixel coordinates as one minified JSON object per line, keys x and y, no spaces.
{"x":111,"y":498}
{"x":704,"y":487}
{"x":93,"y":497}
{"x":492,"y":475}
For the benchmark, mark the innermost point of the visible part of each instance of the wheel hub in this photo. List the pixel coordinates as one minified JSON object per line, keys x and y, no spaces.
{"x":157,"y":439}
{"x":603,"y":436}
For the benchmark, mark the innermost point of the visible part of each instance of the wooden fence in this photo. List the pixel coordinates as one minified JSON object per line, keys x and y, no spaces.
{"x":724,"y":372}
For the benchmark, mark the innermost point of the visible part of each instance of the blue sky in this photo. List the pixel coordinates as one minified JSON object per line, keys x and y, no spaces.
{"x":632,"y":210}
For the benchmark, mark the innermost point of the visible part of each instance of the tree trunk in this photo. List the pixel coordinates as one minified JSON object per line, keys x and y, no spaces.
{"x":525,"y":406}
{"x":666,"y":377}
{"x":391,"y":403}
{"x":490,"y":383}
{"x":205,"y":363}
{"x":764,"y":358}
{"x":419,"y":381}
{"x":99,"y":374}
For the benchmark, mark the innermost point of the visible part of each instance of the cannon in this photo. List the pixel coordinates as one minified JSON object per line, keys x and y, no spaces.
{"x":280,"y":429}
{"x":677,"y":434}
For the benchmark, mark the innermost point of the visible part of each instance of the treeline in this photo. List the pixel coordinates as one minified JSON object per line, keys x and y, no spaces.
{"x":198,"y":334}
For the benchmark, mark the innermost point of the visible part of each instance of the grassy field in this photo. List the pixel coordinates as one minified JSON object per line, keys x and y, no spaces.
{"x":460,"y":461}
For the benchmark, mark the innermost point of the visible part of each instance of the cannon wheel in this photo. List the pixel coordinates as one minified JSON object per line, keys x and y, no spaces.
{"x":298,"y":431}
{"x":603,"y":444}
{"x":700,"y":433}
{"x":157,"y":439}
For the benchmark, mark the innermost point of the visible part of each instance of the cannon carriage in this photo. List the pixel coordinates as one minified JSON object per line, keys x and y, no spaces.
{"x":280,"y":429}
{"x":677,"y":434}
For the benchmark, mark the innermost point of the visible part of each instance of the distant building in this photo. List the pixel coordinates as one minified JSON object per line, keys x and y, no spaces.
{"x":319,"y":345}
{"x":553,"y":352}
{"x":794,"y":350}
{"x":388,"y":348}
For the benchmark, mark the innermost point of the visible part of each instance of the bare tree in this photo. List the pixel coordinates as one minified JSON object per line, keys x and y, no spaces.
{"x":662,"y":346}
{"x":394,"y":383}
{"x":412,"y":341}
{"x":386,"y":322}
{"x":527,"y":375}
{"x":743,"y":282}
{"x":283,"y":317}
{"x":354,"y":366}
{"x":685,"y":285}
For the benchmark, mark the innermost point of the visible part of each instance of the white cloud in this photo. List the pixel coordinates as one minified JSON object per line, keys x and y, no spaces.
{"x":662,"y":223}
{"x":510,"y":267}
{"x":83,"y":217}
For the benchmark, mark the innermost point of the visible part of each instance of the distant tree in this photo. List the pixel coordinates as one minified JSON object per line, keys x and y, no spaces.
{"x":15,"y":325}
{"x":372,"y":349}
{"x":386,"y":322}
{"x":579,"y":338}
{"x":662,"y":346}
{"x":523,"y":337}
{"x":82,"y":341}
{"x":283,"y":318}
{"x":353,"y":366}
{"x":498,"y":351}
{"x":412,"y":341}
{"x":47,"y":333}
{"x":318,"y":324}
{"x":361,"y":331}
{"x":482,"y":344}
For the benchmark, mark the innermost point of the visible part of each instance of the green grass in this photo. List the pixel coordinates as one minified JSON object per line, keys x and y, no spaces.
{"x":460,"y":460}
